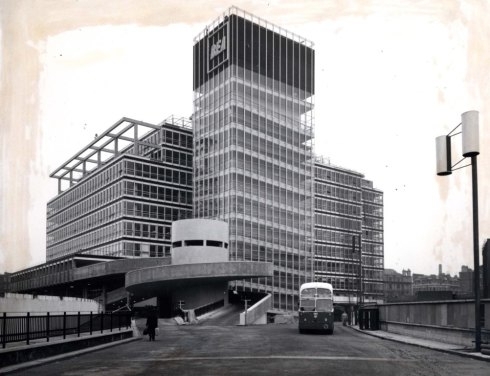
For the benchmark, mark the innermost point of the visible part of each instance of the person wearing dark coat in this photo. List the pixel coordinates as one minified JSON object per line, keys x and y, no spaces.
{"x":152,"y":324}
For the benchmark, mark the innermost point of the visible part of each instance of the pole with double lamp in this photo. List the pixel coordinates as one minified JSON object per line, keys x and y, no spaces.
{"x":471,"y":148}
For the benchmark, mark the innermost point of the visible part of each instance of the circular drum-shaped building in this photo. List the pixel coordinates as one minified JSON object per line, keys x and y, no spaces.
{"x":199,"y":241}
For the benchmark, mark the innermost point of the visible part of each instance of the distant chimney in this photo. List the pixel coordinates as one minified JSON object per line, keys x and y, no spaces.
{"x":440,"y":269}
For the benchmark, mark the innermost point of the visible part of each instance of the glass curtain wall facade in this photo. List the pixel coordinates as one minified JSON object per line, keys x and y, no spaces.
{"x":253,"y":140}
{"x":338,"y":218}
{"x":125,"y":207}
{"x":346,"y":207}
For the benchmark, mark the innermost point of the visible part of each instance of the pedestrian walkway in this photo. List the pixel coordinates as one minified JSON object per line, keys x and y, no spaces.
{"x":41,"y":351}
{"x":42,"y":341}
{"x":429,"y":344}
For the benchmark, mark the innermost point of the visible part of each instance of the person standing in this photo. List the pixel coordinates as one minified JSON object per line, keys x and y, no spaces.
{"x":152,"y":324}
{"x":344,"y":318}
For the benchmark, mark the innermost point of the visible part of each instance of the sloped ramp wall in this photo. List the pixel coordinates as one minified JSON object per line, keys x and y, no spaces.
{"x":257,"y":314}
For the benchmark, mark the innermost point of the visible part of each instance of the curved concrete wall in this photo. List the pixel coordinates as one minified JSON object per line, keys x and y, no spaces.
{"x":196,"y":241}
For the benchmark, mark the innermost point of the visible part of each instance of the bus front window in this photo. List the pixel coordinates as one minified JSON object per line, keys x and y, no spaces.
{"x":307,"y":305}
{"x":324,"y":293}
{"x":324,"y":305}
{"x":307,"y":299}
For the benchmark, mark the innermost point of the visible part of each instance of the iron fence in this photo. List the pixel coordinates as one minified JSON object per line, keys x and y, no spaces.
{"x":24,"y":328}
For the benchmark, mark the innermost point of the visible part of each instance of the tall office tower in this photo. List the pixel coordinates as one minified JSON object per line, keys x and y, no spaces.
{"x":253,"y":136}
{"x":123,"y":191}
{"x":348,"y":234}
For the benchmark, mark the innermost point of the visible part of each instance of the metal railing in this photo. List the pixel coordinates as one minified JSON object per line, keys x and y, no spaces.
{"x":24,"y":328}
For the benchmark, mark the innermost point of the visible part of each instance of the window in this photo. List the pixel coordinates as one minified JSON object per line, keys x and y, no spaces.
{"x":190,"y":243}
{"x":214,"y":243}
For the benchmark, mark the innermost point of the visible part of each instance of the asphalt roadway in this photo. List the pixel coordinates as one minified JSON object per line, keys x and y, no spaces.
{"x":275,"y":349}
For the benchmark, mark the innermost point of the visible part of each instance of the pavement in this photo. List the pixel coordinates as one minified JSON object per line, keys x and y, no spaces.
{"x":421,"y":342}
{"x":434,"y":345}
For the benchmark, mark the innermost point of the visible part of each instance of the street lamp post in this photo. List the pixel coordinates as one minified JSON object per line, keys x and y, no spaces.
{"x":471,"y":148}
{"x":360,"y":292}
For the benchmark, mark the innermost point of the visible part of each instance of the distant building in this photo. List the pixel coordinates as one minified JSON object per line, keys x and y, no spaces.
{"x":466,"y":280}
{"x":397,"y":286}
{"x":440,"y":282}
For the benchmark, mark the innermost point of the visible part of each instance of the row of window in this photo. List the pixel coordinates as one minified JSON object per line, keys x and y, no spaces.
{"x":240,"y":119}
{"x":337,"y":192}
{"x":88,"y":222}
{"x":103,"y":177}
{"x":287,"y":212}
{"x":286,"y":215}
{"x":158,"y":192}
{"x":252,"y":185}
{"x":374,"y":223}
{"x":352,"y":267}
{"x":160,"y":173}
{"x":176,"y":138}
{"x":267,"y":149}
{"x":88,"y":240}
{"x":241,"y":92}
{"x":349,"y":180}
{"x":145,"y":250}
{"x":165,"y":137}
{"x":324,"y":252}
{"x":173,"y":157}
{"x":271,"y":192}
{"x":374,"y":197}
{"x":109,"y":213}
{"x":287,"y":281}
{"x":290,"y":263}
{"x":90,"y":203}
{"x":200,"y":243}
{"x":372,"y":235}
{"x":244,"y":250}
{"x":372,"y":248}
{"x":147,"y":230}
{"x":374,"y":210}
{"x":333,"y":236}
{"x":156,"y":212}
{"x":131,"y":249}
{"x":273,"y":235}
{"x":291,"y":175}
{"x":85,"y":188}
{"x":332,"y":221}
{"x":337,"y":207}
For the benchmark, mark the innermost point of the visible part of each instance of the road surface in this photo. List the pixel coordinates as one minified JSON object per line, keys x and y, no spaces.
{"x":273,"y":349}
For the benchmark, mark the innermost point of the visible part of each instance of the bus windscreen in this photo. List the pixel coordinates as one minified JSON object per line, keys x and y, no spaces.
{"x":324,"y":293}
{"x":308,"y":293}
{"x":324,"y":305}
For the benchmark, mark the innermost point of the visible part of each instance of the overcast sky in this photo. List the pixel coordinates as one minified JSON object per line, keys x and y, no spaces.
{"x":391,"y":75}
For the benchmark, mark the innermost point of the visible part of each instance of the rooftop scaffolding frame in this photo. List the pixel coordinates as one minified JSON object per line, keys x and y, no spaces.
{"x":125,"y":136}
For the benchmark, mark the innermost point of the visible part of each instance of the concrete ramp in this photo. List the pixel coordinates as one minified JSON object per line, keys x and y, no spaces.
{"x":225,"y":316}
